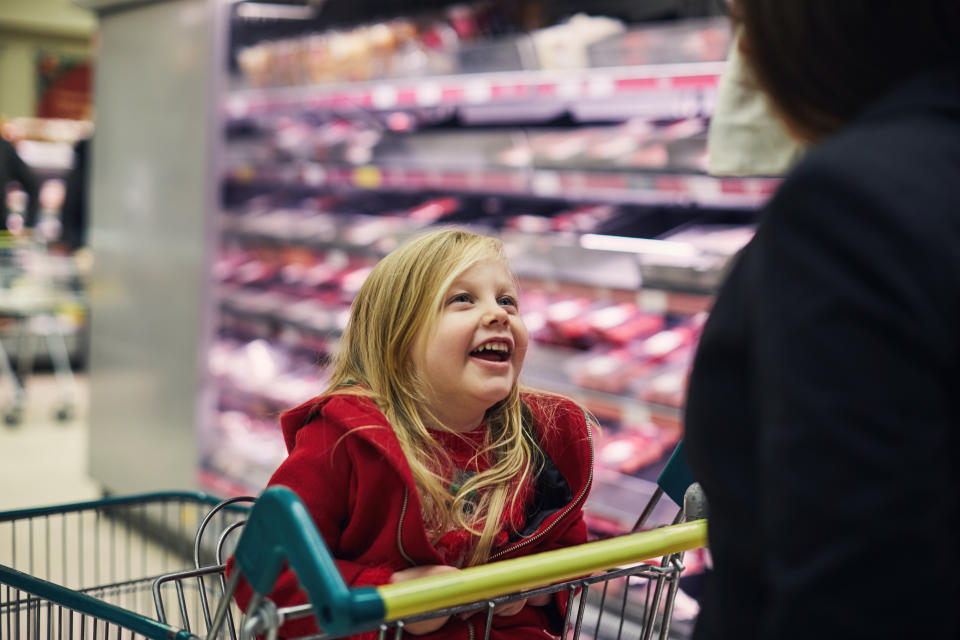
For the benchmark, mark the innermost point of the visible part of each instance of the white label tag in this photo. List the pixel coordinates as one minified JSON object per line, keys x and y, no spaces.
{"x":652,"y":301}
{"x":384,"y":96}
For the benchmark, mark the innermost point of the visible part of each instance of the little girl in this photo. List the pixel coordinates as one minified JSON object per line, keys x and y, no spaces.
{"x":424,"y":455}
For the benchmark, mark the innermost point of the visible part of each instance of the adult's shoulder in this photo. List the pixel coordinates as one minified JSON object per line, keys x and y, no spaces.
{"x":901,"y":158}
{"x":869,"y":217}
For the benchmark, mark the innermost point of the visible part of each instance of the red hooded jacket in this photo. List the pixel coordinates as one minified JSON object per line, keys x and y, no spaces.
{"x":347,"y":466}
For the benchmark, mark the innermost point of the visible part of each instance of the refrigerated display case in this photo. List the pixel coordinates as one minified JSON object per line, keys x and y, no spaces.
{"x":592,"y":171}
{"x":241,"y":217}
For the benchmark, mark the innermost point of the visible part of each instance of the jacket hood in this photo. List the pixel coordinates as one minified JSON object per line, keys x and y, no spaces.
{"x":354,"y":414}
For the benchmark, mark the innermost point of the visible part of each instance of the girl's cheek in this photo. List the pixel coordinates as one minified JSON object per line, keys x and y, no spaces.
{"x":520,"y":354}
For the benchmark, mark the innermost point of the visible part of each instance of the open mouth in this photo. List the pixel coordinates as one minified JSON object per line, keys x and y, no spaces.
{"x":492,"y":352}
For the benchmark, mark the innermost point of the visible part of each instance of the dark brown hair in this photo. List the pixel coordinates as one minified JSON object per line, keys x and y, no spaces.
{"x":823,"y":61}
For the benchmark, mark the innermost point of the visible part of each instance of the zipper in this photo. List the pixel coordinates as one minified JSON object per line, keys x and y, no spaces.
{"x":403,"y":514}
{"x":563,"y":514}
{"x":469,"y":629}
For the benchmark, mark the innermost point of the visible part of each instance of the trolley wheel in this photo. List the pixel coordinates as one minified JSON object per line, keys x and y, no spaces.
{"x":64,"y":414}
{"x":12,"y":418}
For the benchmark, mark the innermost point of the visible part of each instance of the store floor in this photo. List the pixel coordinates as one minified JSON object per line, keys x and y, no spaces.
{"x":43,"y":461}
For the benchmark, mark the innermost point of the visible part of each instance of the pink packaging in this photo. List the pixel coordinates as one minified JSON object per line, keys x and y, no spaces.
{"x":633,"y":448}
{"x":567,"y":322}
{"x":609,"y":371}
{"x":621,"y":323}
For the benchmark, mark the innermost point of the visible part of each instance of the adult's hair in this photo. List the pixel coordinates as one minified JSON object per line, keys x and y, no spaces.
{"x":401,"y":297}
{"x":822,"y":62}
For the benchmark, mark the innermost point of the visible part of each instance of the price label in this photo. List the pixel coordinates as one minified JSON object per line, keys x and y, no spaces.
{"x":236,"y":107}
{"x":244,"y":173}
{"x":546,"y":183}
{"x":384,"y":97}
{"x":367,"y":177}
{"x":653,"y":301}
{"x":478,"y":91}
{"x":568,"y":90}
{"x":314,"y":175}
{"x":634,"y":413}
{"x":601,"y":87}
{"x":429,"y":94}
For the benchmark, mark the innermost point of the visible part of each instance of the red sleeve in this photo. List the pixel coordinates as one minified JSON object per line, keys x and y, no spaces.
{"x":319,"y":470}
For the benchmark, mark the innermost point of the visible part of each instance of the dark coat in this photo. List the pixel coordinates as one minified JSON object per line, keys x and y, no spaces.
{"x":13,"y":168}
{"x":357,"y":485}
{"x":822,"y":417}
{"x":74,"y":213}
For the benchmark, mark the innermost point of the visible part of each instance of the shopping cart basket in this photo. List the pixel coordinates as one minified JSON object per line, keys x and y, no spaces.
{"x":37,"y":291}
{"x":96,"y":570}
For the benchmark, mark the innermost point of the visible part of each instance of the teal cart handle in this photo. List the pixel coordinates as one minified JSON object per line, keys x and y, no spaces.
{"x":676,"y":475}
{"x":280,"y":529}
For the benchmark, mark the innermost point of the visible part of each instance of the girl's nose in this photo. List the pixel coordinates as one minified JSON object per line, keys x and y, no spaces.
{"x":495,"y":314}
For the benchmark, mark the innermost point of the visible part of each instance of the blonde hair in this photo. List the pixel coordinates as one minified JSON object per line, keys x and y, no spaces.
{"x":400,"y":298}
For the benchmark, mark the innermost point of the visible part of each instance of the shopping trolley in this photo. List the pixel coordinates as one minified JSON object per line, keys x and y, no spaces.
{"x":102,"y":569}
{"x":37,"y":290}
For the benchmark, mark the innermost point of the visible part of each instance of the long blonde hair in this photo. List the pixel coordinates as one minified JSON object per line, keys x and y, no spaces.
{"x":401,"y":297}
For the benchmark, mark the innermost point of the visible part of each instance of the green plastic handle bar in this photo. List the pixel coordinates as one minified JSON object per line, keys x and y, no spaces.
{"x":404,"y":599}
{"x":280,"y":529}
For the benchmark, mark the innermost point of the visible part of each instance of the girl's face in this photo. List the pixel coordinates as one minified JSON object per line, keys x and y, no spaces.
{"x":473,"y":356}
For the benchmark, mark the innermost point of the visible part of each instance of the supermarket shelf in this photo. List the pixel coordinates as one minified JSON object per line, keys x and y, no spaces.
{"x":312,"y":242}
{"x":320,"y":326}
{"x":275,"y":319}
{"x":653,"y":91}
{"x":323,"y":332}
{"x":651,"y":300}
{"x":541,"y":371}
{"x":626,"y":187}
{"x":257,"y":402}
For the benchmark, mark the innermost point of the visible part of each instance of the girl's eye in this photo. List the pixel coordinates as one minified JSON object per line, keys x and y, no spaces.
{"x":508,"y":301}
{"x":460,"y":297}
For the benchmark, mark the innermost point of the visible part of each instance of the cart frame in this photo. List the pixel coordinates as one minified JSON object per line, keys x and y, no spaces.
{"x":278,"y":531}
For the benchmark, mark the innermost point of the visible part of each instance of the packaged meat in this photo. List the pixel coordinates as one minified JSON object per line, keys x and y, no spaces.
{"x":632,"y":448}
{"x":620,"y":323}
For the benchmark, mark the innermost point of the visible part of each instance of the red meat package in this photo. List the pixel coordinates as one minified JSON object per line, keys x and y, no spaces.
{"x":567,"y":322}
{"x":667,"y":387}
{"x":635,"y":447}
{"x":433,"y":210}
{"x":649,"y":353}
{"x":621,"y":323}
{"x":608,"y":371}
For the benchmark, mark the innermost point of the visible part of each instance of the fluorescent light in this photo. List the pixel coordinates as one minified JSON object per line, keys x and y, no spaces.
{"x":637,"y":245}
{"x":267,"y":11}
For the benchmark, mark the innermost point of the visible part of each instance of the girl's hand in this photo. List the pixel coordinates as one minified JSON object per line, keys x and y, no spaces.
{"x":423,"y":626}
{"x":541,"y":600}
{"x":509,"y":608}
{"x":513,"y":608}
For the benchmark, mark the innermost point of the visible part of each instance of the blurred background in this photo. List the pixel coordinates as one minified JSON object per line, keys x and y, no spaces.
{"x":195,"y":189}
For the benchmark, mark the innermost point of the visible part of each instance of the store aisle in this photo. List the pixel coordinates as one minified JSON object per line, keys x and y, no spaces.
{"x":43,"y":461}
